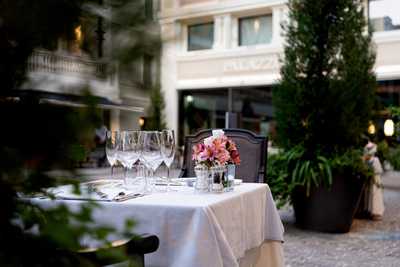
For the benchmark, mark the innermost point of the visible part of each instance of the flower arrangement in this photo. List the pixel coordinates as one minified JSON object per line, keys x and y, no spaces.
{"x":216,"y":150}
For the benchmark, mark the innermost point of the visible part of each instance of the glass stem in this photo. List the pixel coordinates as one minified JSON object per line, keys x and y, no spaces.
{"x":151,"y":180}
{"x":125,"y":174}
{"x":112,"y":171}
{"x":146,"y":181}
{"x":168,"y":180}
{"x":135,"y":169}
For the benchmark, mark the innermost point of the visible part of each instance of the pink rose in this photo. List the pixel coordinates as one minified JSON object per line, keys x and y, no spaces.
{"x":223,"y":156}
{"x":235,"y":157}
{"x":196,"y":150}
{"x":231,"y":145}
{"x":216,"y":149}
{"x":218,"y":144}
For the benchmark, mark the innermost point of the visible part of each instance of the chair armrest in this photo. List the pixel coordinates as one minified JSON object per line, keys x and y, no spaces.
{"x":122,"y":250}
{"x":143,"y":244}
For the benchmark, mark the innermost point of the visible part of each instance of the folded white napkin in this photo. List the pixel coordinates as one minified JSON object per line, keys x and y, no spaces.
{"x":238,"y":181}
{"x":94,"y":191}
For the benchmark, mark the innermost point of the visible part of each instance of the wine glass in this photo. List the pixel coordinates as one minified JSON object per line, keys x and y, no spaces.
{"x":112,"y":144}
{"x":168,"y":151}
{"x":129,"y":150}
{"x":151,"y":153}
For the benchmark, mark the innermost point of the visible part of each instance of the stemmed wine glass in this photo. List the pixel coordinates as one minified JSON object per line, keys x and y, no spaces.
{"x":113,"y":139}
{"x":151,"y":153}
{"x":168,"y":151}
{"x":129,"y":150}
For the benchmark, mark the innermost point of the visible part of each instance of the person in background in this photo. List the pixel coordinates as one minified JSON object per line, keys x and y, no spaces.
{"x":101,"y":135}
{"x":374,"y":192}
{"x":98,"y":155}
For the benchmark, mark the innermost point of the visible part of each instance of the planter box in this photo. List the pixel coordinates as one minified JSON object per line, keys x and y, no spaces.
{"x":328,"y":210}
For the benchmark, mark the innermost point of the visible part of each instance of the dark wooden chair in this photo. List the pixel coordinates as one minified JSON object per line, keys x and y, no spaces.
{"x":252,"y":150}
{"x":132,"y":250}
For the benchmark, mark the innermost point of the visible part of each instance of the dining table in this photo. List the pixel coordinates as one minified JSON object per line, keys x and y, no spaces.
{"x":237,"y":228}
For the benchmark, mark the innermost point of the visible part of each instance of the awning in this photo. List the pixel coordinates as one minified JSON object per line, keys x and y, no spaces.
{"x":70,"y":100}
{"x":110,"y":106}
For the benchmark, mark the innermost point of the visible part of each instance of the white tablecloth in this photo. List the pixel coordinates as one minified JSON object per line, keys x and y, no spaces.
{"x":198,"y":229}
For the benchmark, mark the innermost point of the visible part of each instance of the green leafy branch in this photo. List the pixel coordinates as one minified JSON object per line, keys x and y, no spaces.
{"x":292,"y":168}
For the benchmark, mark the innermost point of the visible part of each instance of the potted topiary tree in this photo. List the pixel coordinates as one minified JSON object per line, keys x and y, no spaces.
{"x":322,"y":106}
{"x":155,"y":120}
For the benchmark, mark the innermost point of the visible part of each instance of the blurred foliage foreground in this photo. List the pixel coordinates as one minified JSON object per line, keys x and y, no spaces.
{"x":34,"y":140}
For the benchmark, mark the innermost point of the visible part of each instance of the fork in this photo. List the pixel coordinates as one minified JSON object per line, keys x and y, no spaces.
{"x":122,"y":196}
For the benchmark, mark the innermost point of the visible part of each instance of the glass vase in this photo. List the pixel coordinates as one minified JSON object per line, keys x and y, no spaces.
{"x":217,"y":178}
{"x":229,"y":178}
{"x":202,"y":179}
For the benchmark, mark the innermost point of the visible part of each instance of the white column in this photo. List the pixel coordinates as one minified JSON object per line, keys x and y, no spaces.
{"x":181,"y":33}
{"x":114,"y":120}
{"x":222,"y":32}
{"x":172,"y":38}
{"x":218,"y":33}
{"x":227,"y":26}
{"x":366,"y":8}
{"x":234,"y":37}
{"x":277,"y":14}
{"x":168,"y":4}
{"x":365,"y":5}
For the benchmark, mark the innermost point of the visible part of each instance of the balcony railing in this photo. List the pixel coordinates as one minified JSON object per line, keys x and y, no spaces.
{"x":50,"y":62}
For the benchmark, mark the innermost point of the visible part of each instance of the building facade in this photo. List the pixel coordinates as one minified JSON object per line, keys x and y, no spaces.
{"x":61,"y":70}
{"x":223,"y":56}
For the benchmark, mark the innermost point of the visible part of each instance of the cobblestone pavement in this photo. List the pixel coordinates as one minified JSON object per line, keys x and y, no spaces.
{"x":369,"y":243}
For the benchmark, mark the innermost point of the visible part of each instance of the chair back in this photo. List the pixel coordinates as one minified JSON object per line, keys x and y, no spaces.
{"x":131,"y":251}
{"x":252,"y":150}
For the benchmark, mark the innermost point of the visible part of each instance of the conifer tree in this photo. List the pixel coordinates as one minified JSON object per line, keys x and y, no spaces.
{"x":327,"y":89}
{"x":155,"y":120}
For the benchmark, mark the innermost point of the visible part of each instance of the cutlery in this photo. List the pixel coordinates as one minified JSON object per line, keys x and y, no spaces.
{"x":171,"y":184}
{"x":122,"y":196}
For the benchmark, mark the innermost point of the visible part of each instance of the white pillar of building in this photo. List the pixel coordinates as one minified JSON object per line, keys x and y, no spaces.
{"x":227,"y":26}
{"x":222,"y":32}
{"x":114,"y":120}
{"x":168,"y":4}
{"x":218,"y":33}
{"x":277,"y":19}
{"x":234,"y":36}
{"x":171,"y":35}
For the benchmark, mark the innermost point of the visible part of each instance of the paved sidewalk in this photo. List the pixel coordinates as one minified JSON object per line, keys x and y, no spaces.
{"x":369,"y":243}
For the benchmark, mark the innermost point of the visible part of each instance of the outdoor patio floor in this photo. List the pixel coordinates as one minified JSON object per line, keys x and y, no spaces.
{"x":369,"y":243}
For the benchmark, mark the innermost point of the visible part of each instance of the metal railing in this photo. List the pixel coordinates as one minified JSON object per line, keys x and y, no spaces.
{"x":51,"y":62}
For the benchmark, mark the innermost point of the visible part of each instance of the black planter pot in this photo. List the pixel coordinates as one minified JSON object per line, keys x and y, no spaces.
{"x":328,"y":210}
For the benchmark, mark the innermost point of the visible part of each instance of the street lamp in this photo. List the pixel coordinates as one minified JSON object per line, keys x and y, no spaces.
{"x":371,"y":128}
{"x":388,"y":127}
{"x":256,"y":25}
{"x":141,"y":122}
{"x":189,"y":99}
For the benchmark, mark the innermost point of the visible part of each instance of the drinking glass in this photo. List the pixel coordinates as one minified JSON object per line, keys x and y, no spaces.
{"x":129,"y":150}
{"x":168,"y":151}
{"x":112,"y":144}
{"x":151,"y":154}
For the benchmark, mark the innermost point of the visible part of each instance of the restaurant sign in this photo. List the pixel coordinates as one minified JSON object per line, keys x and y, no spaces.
{"x":251,"y":64}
